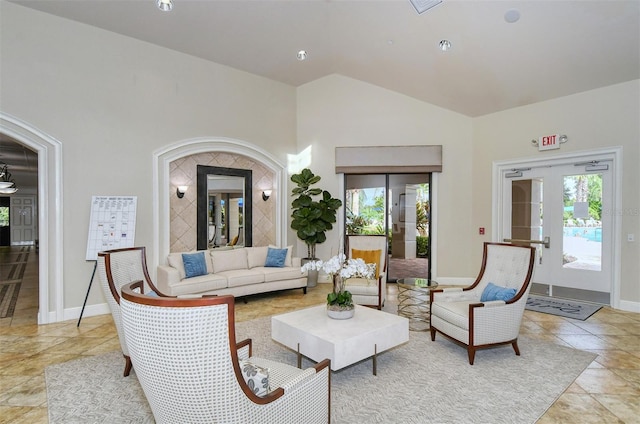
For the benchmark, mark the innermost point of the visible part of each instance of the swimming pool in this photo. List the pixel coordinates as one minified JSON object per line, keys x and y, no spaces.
{"x":590,"y":233}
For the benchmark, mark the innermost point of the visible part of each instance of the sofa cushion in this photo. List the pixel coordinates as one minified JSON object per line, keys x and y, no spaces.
{"x":256,"y":256}
{"x":279,"y":274}
{"x":256,"y":377}
{"x":229,"y":260}
{"x":243,"y":277}
{"x":369,"y":257}
{"x":194,"y":264}
{"x":275,"y":258}
{"x":175,"y":261}
{"x":201,"y":284}
{"x":287,"y":261}
{"x":493,"y":292}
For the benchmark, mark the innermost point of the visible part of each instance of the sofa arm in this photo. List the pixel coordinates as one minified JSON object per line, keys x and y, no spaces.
{"x":167,"y":277}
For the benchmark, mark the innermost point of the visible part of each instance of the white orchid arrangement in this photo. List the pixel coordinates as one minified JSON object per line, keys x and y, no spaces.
{"x":338,"y":265}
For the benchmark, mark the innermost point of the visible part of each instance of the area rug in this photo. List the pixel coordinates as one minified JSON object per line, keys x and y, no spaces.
{"x":562,"y":307}
{"x":8,"y":298}
{"x":419,"y":382}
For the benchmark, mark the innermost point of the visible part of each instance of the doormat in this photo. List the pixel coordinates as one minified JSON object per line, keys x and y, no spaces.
{"x":562,"y":307}
{"x":8,"y":299}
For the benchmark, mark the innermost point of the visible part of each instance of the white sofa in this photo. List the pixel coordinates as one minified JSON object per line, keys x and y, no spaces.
{"x":239,"y":272}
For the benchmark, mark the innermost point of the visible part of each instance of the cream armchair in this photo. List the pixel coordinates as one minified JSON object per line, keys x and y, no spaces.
{"x":372,"y":249}
{"x":116,"y":268}
{"x":185,"y":355}
{"x":463,"y":316}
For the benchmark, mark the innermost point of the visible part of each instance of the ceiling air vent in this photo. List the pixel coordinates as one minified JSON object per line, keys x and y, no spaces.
{"x":422,"y":6}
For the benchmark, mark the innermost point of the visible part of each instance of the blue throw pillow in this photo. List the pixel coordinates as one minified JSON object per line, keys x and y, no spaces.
{"x":194,"y":264}
{"x":493,"y":292}
{"x":275,"y":257}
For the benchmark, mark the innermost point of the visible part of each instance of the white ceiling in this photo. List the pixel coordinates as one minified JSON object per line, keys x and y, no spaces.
{"x":557,"y":47}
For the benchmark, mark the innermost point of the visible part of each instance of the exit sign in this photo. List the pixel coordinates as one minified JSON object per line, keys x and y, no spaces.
{"x":549,"y":142}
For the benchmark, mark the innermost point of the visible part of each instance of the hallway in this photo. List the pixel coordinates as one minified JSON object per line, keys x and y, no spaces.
{"x":19,"y":264}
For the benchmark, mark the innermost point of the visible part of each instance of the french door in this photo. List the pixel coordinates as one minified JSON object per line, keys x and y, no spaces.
{"x":561,"y":209}
{"x":397,"y":205}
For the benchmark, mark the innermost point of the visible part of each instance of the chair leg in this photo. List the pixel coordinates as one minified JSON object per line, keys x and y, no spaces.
{"x":515,"y":347}
{"x":127,"y":366}
{"x":433,"y":333}
{"x":472,"y":354}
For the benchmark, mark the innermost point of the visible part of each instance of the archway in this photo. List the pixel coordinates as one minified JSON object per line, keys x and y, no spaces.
{"x":161,"y":181}
{"x":51,"y":300}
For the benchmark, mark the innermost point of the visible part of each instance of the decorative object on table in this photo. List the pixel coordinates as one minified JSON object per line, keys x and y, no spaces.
{"x":311,"y":219}
{"x":339,"y":269}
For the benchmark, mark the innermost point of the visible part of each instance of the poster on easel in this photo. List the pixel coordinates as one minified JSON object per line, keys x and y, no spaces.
{"x":112,"y":224}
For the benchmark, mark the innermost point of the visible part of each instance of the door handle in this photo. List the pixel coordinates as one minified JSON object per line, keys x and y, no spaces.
{"x":546,"y":241}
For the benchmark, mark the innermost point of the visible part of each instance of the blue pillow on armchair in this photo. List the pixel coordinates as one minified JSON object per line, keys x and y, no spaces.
{"x":194,"y":264}
{"x":276,"y":257}
{"x":493,"y":292}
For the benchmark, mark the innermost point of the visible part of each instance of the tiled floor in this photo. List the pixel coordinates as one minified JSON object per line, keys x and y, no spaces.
{"x":606,"y":392}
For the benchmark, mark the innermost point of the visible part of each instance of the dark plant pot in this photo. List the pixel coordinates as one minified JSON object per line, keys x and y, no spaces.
{"x":312,"y":275}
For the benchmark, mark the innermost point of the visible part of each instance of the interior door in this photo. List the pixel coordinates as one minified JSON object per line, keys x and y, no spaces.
{"x":560,"y":210}
{"x":23,"y":220}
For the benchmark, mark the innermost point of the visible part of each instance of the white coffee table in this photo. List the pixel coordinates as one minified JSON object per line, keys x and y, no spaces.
{"x":310,"y":332}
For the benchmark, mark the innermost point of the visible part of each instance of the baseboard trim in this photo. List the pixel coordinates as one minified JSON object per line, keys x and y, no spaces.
{"x":629,"y":306}
{"x":89,"y":311}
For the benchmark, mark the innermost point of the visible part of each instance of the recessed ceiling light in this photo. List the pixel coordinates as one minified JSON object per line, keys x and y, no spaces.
{"x":445,"y":45}
{"x":302,"y":55}
{"x":165,"y":5}
{"x":511,"y":16}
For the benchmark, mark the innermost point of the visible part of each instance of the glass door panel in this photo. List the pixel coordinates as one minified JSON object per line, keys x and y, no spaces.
{"x":581,"y":222}
{"x":365,"y":204}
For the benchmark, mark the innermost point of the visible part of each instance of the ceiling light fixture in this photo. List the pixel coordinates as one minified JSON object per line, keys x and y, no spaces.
{"x":422,"y":6}
{"x":7,"y":184}
{"x":445,"y":45}
{"x":302,"y":55}
{"x":165,"y":5}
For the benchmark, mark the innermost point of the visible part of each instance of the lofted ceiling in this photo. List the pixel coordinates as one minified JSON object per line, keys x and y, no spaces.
{"x":556,"y":48}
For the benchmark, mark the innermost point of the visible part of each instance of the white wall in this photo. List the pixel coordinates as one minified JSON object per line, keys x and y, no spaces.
{"x":594,"y":119}
{"x":339,"y":111}
{"x":112,"y":101}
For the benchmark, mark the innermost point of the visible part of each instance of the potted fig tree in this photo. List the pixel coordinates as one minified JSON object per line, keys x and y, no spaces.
{"x":313,"y":213}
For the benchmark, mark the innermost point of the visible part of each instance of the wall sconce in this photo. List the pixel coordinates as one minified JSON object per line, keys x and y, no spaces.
{"x":181,"y":190}
{"x":266,"y":194}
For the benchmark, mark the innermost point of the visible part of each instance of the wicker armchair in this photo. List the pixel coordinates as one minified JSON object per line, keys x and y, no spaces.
{"x":185,"y":355}
{"x":370,"y":247}
{"x":116,"y":268}
{"x":459,"y":313}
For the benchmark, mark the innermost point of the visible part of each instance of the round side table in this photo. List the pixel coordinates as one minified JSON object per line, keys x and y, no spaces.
{"x":413,"y":301}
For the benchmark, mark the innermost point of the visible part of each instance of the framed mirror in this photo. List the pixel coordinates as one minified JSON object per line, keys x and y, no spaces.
{"x":224,"y":207}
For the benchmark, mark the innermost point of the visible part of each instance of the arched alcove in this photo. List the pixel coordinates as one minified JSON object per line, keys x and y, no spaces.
{"x":163,"y":186}
{"x":51,"y":299}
